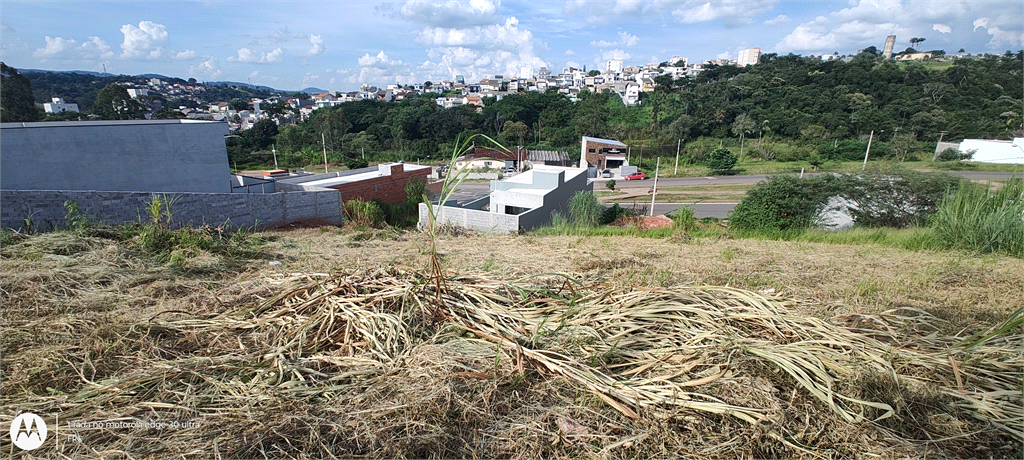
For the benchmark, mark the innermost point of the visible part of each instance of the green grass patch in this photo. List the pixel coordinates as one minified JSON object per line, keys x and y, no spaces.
{"x":977,"y":219}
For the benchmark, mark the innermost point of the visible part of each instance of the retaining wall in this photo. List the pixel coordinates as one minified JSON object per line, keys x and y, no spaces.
{"x":46,"y":210}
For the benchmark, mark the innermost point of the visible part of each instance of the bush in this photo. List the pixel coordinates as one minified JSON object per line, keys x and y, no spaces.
{"x":952,"y":154}
{"x":782,"y":203}
{"x":584,"y":210}
{"x":685,"y":219}
{"x":612,"y":214}
{"x":610,"y":185}
{"x":364,"y":213}
{"x":890,"y":198}
{"x":722,"y":160}
{"x":894,"y":198}
{"x":974,"y":219}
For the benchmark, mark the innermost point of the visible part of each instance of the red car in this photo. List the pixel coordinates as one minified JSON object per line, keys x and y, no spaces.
{"x":636,"y":176}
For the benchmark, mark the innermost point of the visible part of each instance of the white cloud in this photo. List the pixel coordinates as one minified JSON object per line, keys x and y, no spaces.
{"x":625,"y":39}
{"x":612,"y":54}
{"x":60,"y":48}
{"x":185,"y":55}
{"x":724,"y":55}
{"x":450,"y":13}
{"x":778,"y":20}
{"x":999,"y":35}
{"x":478,"y":52}
{"x":732,"y":13}
{"x":942,"y":28}
{"x":248,"y":56}
{"x":380,"y":68}
{"x":147,"y":41}
{"x":570,"y":53}
{"x":317,"y":47}
{"x":209,"y":69}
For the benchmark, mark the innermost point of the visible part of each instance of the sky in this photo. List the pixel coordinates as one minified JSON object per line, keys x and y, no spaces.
{"x":338,"y":45}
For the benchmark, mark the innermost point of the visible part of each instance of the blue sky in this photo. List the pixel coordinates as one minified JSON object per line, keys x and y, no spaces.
{"x":339,"y":45}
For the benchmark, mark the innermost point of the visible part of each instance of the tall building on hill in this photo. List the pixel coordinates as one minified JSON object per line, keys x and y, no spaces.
{"x":890,"y":42}
{"x":614,"y":65}
{"x":526,"y":72}
{"x":749,"y":56}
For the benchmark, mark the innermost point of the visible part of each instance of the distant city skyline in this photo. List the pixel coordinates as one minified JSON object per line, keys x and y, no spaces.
{"x":339,"y":46}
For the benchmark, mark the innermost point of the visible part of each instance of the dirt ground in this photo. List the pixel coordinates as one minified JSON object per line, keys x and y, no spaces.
{"x":970,"y":291}
{"x":95,"y":329}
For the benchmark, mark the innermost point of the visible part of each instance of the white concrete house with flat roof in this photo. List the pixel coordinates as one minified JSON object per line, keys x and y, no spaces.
{"x":521,"y":202}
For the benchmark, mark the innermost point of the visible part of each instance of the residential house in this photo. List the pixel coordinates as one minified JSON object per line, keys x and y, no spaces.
{"x":521,"y":202}
{"x":385,"y":182}
{"x":57,"y":105}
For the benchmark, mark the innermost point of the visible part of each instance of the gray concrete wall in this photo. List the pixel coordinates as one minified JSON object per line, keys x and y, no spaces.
{"x":481,"y":221}
{"x":129,"y":156}
{"x":46,"y":208}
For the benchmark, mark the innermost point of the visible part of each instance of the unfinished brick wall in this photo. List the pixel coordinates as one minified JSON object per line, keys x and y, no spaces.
{"x":597,"y":157}
{"x":389,"y":189}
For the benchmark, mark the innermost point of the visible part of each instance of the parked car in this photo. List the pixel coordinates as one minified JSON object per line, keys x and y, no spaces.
{"x":636,"y":176}
{"x":508,"y":170}
{"x":606,"y":173}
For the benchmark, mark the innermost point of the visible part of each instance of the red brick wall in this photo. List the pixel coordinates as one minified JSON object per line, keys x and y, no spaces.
{"x":389,"y":189}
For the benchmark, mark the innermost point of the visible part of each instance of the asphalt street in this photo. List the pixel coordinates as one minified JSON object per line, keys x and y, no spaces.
{"x":470,"y":191}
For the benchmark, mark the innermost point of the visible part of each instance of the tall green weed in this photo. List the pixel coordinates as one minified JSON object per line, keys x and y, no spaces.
{"x":976,"y":219}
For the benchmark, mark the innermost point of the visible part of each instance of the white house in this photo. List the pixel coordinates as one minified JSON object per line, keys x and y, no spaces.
{"x":58,"y":106}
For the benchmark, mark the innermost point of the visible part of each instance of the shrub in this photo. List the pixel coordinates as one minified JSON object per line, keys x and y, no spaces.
{"x":782,"y":203}
{"x":612,"y":214}
{"x":685,"y":219}
{"x":610,"y":184}
{"x":364,"y":213}
{"x":895,"y":197}
{"x":722,"y":160}
{"x":952,"y":154}
{"x":890,"y":198}
{"x":584,"y":210}
{"x":975,"y":219}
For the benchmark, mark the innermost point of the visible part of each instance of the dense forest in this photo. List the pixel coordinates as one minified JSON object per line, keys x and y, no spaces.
{"x":794,"y":108}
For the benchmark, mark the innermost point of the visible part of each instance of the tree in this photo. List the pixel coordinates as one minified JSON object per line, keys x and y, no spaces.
{"x":722,"y":160}
{"x":514,"y":132}
{"x":261,"y":135}
{"x":916,"y":41}
{"x":742,"y":125}
{"x":16,"y":100}
{"x":114,"y":103}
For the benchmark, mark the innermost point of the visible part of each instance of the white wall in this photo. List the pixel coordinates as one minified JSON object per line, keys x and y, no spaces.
{"x":989,"y":151}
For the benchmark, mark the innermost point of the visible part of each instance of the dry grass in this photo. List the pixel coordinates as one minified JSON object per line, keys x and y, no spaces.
{"x":339,"y":351}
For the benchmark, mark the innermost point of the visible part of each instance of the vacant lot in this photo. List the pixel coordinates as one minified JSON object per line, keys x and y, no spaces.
{"x":328,"y":342}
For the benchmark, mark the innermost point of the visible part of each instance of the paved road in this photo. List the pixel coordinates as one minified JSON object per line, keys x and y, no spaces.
{"x":470,"y":191}
{"x":755,"y":178}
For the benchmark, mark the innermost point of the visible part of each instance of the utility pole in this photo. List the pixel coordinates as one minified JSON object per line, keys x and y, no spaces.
{"x":654,"y":194}
{"x":323,"y":140}
{"x":678,"y":144}
{"x":274,"y":151}
{"x":866,"y":152}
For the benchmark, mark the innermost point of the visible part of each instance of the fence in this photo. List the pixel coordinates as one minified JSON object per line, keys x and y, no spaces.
{"x":45,"y":209}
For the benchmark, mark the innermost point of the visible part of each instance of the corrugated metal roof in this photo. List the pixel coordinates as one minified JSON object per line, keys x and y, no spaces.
{"x":548,"y":155}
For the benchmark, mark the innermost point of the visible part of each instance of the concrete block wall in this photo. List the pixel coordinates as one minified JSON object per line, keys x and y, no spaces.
{"x":138,"y":155}
{"x":481,"y":221}
{"x":46,"y":208}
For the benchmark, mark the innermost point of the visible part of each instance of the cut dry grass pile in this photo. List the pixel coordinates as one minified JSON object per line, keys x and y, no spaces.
{"x":368,"y":363}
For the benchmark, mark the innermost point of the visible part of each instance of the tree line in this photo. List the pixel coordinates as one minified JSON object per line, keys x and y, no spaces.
{"x":814,"y":109}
